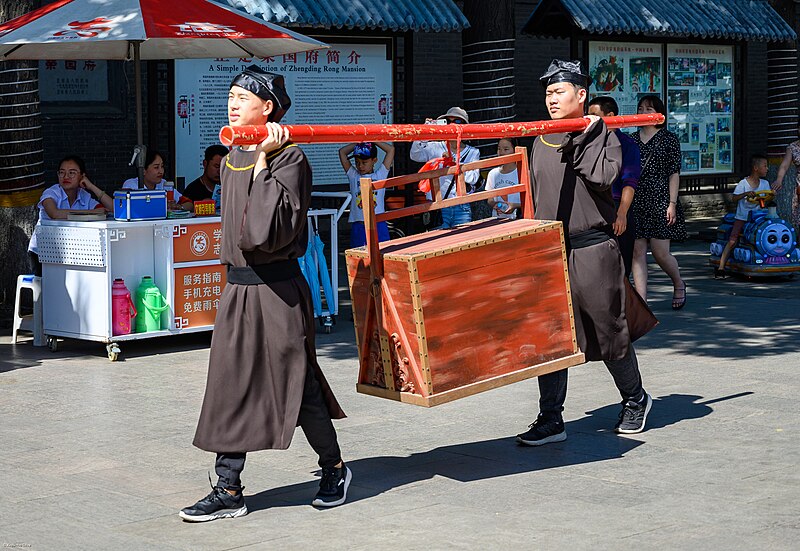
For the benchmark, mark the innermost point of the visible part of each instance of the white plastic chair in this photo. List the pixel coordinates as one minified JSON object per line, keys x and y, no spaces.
{"x":31,"y":322}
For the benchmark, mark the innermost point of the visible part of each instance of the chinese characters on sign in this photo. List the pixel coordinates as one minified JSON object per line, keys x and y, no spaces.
{"x":197,"y":294}
{"x":196,"y":242}
{"x":346,"y":84}
{"x":73,"y":80}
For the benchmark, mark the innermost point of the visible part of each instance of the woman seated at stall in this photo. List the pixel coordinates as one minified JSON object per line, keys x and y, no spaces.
{"x":73,"y":192}
{"x":154,"y":179}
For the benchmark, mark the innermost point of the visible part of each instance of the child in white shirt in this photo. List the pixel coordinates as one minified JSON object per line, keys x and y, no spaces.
{"x":746,"y":189}
{"x":365,"y":157}
{"x":504,"y":206}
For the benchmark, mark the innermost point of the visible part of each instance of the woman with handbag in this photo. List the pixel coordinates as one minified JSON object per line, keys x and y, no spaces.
{"x":658,"y":213}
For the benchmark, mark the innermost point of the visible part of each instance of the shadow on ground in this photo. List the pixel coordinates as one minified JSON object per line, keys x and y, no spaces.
{"x":24,"y":354}
{"x":591,"y":439}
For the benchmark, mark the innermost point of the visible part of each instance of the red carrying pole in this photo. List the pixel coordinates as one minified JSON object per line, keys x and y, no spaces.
{"x":346,"y":133}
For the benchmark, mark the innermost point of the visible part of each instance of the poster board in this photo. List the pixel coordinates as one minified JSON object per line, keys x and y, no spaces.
{"x":347,"y":84}
{"x":700,"y":101}
{"x":626,"y":71}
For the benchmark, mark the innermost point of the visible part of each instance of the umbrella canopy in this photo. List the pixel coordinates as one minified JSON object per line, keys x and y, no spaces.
{"x":165,"y":29}
{"x":144,"y":29}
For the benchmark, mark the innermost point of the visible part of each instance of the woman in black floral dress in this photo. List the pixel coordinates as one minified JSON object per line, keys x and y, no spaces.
{"x":658,"y":214}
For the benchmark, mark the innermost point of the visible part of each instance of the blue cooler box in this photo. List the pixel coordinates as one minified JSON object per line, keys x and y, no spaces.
{"x":140,"y":204}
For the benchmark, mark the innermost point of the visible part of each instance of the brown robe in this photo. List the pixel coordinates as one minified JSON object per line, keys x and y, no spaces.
{"x":263,"y":340}
{"x":571,"y":177}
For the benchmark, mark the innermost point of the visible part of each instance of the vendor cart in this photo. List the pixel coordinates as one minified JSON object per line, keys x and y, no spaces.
{"x":81,"y":260}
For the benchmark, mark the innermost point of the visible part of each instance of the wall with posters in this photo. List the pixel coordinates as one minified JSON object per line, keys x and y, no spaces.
{"x":698,"y":82}
{"x":626,"y":72}
{"x":700,"y":105}
{"x":346,"y":84}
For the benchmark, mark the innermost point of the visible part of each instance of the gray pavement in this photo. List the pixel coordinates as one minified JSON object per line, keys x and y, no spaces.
{"x":98,"y":455}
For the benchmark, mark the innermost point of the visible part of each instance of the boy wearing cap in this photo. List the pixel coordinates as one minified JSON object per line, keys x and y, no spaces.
{"x":263,"y":376}
{"x":571,"y":179}
{"x":422,"y":152}
{"x":365,"y":157}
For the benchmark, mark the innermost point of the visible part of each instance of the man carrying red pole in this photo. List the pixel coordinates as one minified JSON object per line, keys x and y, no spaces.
{"x":571,"y":178}
{"x":263,"y":376}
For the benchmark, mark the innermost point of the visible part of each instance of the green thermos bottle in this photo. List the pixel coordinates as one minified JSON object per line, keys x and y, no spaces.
{"x":149,"y":303}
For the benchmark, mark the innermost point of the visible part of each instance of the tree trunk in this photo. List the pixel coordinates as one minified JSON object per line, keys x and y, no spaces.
{"x":488,"y":63}
{"x":21,"y":162}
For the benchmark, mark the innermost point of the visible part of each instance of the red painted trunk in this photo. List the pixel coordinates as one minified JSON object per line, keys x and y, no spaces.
{"x":454,"y":312}
{"x":463,"y":311}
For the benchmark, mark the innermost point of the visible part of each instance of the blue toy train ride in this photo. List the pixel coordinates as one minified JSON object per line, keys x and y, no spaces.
{"x":767,"y":245}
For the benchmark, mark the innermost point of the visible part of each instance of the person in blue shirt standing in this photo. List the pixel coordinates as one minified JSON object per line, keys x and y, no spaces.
{"x":624,"y":186}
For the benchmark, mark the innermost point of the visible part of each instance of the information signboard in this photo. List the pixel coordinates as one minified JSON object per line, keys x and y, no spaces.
{"x":73,"y":80}
{"x":346,"y":84}
{"x":700,"y":100}
{"x":625,"y":71}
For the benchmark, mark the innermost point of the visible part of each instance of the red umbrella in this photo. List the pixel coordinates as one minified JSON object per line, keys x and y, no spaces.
{"x":144,"y":29}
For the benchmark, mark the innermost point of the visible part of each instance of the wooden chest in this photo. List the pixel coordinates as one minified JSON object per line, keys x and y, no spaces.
{"x":461,"y":311}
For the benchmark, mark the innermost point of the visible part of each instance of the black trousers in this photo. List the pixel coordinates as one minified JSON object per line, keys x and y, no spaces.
{"x":553,"y":386}
{"x":626,"y":240}
{"x":314,"y":419}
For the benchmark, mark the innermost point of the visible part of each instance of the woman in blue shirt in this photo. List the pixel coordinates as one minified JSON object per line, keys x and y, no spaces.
{"x":73,"y":192}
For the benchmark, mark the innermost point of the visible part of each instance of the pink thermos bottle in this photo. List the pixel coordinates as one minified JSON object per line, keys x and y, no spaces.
{"x":122,"y":308}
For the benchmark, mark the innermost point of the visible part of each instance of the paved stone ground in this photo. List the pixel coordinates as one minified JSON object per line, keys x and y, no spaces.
{"x":98,"y":455}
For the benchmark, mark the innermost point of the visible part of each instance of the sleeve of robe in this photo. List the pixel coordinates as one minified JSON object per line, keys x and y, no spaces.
{"x":596,"y":156}
{"x":276,"y":208}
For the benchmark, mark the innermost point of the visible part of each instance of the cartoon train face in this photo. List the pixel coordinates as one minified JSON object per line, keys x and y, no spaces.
{"x":765,"y":242}
{"x":774,"y":239}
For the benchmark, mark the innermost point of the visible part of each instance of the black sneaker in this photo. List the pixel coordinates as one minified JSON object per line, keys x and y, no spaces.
{"x":544,"y":430}
{"x":633,"y":415}
{"x":333,"y":486}
{"x":217,"y":504}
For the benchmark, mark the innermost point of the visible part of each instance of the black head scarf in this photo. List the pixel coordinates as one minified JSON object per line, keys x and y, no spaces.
{"x":565,"y":71}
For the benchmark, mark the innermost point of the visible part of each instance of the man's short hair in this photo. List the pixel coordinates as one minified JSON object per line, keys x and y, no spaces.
{"x":214,"y":150}
{"x":607,"y":104}
{"x":756,"y":158}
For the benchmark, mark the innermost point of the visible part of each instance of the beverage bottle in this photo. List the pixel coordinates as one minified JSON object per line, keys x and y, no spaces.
{"x":122,"y":308}
{"x":150,"y":302}
{"x":169,"y":187}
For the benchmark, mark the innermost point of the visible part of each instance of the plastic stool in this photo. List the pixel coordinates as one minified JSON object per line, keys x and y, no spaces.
{"x":32,"y":323}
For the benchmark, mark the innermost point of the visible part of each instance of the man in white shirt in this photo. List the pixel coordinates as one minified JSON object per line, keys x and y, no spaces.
{"x":423,"y":152}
